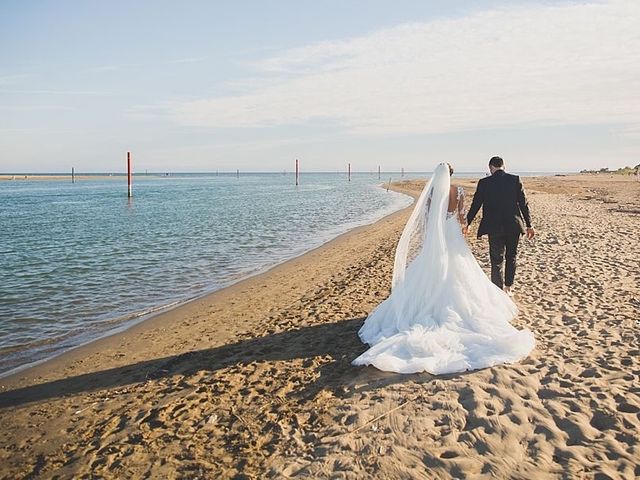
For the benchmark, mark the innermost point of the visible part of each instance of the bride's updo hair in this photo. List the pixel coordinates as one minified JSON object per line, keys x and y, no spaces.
{"x":450,"y":169}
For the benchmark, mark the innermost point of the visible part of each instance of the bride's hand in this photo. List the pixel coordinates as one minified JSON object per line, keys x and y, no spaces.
{"x":465,"y":230}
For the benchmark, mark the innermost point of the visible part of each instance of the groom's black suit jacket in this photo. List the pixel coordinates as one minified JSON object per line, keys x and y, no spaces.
{"x":504,"y":205}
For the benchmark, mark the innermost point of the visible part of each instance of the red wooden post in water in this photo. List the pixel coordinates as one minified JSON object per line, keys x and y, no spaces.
{"x":349,"y":176}
{"x":129,"y":174}
{"x":297,"y":173}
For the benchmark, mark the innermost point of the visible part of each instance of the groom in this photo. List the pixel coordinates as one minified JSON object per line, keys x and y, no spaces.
{"x":504,"y":215}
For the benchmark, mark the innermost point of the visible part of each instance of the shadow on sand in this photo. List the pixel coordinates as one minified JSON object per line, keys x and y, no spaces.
{"x":338,"y":340}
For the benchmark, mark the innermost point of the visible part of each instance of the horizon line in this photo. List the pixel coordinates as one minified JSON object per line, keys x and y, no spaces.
{"x":280,"y":172}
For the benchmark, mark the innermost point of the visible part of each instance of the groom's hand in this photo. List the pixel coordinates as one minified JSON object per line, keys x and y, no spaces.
{"x":530,"y":233}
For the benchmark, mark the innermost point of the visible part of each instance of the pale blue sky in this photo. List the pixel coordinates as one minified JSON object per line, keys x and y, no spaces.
{"x":204,"y":86}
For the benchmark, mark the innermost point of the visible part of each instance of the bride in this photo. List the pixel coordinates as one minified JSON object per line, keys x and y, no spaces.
{"x":443,"y":314}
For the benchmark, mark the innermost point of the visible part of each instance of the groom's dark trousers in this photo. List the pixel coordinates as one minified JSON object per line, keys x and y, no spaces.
{"x":505,"y":213}
{"x":503,"y":246}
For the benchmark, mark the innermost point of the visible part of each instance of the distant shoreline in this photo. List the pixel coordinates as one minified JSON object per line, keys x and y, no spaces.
{"x":26,"y":176}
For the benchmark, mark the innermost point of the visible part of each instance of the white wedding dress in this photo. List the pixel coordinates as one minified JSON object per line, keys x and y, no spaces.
{"x":443,"y":315}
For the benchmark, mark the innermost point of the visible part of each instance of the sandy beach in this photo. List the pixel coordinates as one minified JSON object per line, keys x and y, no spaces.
{"x":255,"y":381}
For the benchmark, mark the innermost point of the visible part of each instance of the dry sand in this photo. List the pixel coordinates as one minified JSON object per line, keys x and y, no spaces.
{"x":255,"y":381}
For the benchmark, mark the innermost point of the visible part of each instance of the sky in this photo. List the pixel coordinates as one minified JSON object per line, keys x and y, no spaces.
{"x":200,"y":86}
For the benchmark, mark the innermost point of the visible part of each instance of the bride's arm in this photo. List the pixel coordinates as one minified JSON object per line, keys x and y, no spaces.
{"x":461,"y":216}
{"x":476,"y":203}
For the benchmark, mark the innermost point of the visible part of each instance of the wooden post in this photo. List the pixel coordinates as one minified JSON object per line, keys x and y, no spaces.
{"x":402,"y":173}
{"x":378,"y":172}
{"x":297,"y":173}
{"x":73,"y":175}
{"x":129,"y":193}
{"x":349,"y":174}
{"x":238,"y":173}
{"x":388,"y":186}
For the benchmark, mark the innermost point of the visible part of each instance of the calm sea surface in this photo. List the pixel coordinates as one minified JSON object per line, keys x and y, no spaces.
{"x":79,"y":260}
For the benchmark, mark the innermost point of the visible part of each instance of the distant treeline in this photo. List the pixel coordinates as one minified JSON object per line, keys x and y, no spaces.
{"x":620,"y":171}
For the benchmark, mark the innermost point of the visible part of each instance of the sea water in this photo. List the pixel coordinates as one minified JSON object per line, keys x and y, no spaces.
{"x":80,"y":260}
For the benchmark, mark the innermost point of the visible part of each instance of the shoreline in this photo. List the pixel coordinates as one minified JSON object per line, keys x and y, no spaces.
{"x":120,"y":176}
{"x":120,"y":325}
{"x":167,"y":314}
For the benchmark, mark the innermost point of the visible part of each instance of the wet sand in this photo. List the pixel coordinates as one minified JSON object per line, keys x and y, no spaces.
{"x":255,"y":381}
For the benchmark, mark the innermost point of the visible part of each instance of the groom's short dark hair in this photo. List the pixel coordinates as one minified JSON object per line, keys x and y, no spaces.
{"x":496,"y":162}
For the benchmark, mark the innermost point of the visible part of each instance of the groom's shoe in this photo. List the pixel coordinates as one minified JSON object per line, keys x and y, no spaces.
{"x":508,"y":290}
